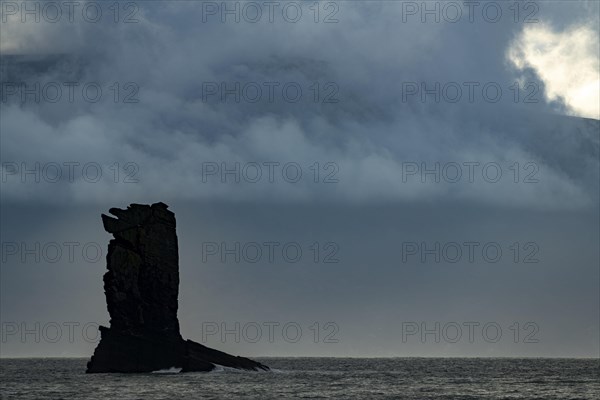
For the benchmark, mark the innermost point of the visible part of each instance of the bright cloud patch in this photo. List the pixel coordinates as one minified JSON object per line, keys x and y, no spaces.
{"x":566,"y":61}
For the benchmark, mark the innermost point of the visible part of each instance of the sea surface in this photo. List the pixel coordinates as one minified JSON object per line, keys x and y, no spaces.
{"x":314,"y":378}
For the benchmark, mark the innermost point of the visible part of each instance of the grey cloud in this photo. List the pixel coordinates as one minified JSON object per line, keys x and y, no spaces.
{"x":369,"y":133}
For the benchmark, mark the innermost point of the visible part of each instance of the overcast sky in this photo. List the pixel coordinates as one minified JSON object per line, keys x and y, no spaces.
{"x":362,"y":134}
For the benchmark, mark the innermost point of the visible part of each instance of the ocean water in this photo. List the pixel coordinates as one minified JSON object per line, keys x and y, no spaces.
{"x":314,"y":378}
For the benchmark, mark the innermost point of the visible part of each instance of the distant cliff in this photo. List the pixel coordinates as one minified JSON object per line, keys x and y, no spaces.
{"x":142,"y":287}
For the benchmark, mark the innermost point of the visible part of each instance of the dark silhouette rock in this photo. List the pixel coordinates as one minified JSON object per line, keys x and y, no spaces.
{"x":142,"y":287}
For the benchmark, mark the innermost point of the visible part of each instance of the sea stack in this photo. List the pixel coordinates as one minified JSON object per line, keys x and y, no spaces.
{"x":142,"y":288}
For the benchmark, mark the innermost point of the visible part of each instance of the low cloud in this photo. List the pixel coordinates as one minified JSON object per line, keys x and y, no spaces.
{"x":367,"y":137}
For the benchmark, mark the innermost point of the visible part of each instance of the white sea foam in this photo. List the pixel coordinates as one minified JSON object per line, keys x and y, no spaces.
{"x":172,"y":370}
{"x":222,"y":368}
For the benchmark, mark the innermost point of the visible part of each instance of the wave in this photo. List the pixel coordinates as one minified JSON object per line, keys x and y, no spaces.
{"x":172,"y":370}
{"x":222,"y":368}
